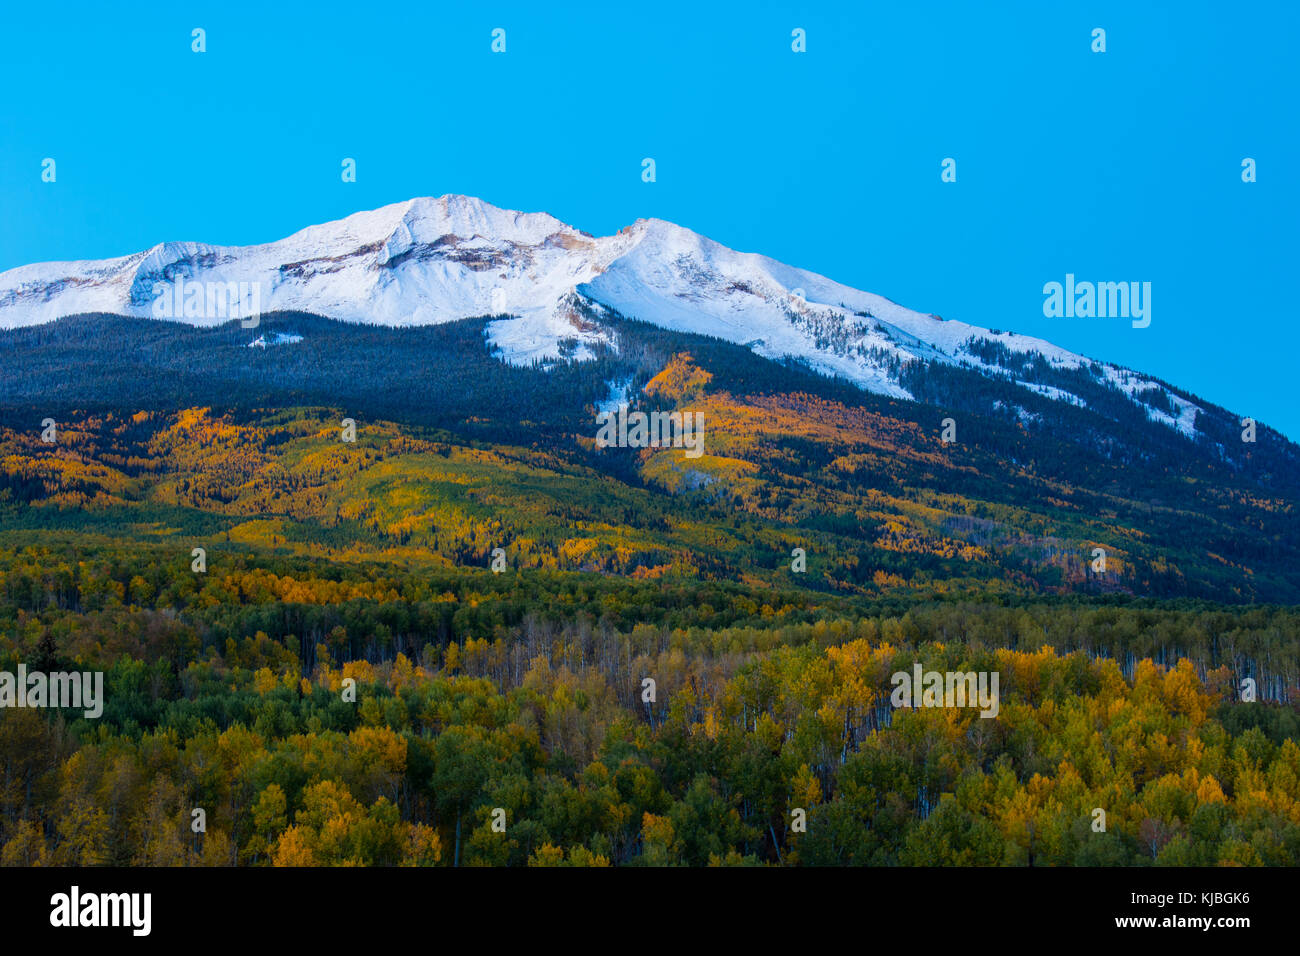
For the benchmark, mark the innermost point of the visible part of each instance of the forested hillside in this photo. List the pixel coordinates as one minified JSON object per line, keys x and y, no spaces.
{"x":471,"y":636}
{"x":161,"y":425}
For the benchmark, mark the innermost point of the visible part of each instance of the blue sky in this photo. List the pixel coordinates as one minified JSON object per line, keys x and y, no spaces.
{"x":1122,"y":166}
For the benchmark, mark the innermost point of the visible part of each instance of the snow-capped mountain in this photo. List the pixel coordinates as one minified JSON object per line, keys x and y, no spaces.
{"x":438,"y":260}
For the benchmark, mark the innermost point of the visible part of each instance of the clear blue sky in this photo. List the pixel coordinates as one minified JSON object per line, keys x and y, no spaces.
{"x":1117,"y":166}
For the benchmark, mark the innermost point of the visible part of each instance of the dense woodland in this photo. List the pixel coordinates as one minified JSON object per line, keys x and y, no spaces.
{"x":523,"y":691}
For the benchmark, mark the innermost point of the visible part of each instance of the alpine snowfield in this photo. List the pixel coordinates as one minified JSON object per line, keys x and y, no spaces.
{"x":428,"y":261}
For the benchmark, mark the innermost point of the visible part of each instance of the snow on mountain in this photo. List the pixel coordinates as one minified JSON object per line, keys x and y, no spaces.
{"x":427,"y":261}
{"x":275,"y":338}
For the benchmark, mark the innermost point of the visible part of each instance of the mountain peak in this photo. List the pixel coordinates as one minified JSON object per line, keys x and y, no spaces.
{"x":440,"y":259}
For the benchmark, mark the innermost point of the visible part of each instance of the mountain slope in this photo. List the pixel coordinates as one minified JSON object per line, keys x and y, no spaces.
{"x":168,"y":432}
{"x":429,"y":261}
{"x":454,"y":322}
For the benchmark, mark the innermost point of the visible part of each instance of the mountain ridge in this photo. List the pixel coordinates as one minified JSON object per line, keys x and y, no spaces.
{"x":433,"y":260}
